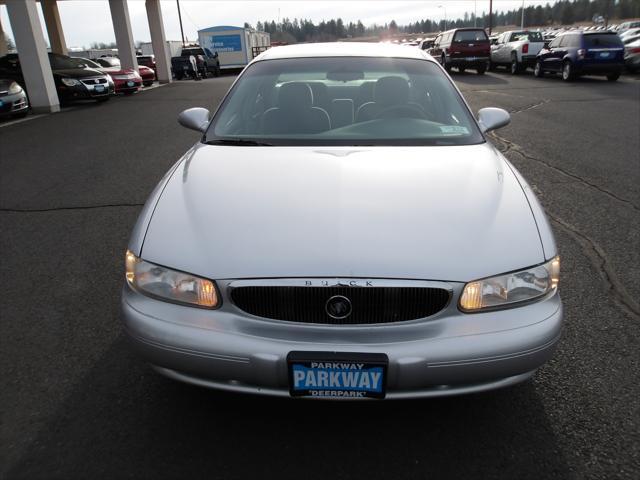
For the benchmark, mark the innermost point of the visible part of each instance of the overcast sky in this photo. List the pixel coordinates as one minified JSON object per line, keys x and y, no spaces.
{"x":86,"y":21}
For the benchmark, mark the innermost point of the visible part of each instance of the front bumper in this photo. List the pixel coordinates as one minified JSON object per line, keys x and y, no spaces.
{"x":449,"y":353}
{"x":128,"y":85}
{"x":83,"y":92}
{"x":13,"y":104}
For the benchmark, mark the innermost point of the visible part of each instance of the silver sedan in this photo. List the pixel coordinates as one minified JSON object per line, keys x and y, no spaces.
{"x":343,"y":230}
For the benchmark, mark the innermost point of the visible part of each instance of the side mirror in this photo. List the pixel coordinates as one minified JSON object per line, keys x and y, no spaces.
{"x":195,"y":119}
{"x":215,"y":55}
{"x":492,"y":118}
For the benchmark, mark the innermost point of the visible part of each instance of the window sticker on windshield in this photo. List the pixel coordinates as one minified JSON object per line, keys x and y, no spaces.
{"x":454,"y":130}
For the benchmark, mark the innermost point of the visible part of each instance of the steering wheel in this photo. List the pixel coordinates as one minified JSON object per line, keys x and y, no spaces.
{"x":409,"y":110}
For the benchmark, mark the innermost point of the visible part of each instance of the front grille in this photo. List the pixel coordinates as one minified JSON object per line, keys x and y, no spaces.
{"x":93,"y":81}
{"x":368,"y":304}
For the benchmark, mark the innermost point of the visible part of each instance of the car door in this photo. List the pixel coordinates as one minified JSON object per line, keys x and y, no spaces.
{"x":552,"y":58}
{"x":436,"y":51}
{"x":496,"y":49}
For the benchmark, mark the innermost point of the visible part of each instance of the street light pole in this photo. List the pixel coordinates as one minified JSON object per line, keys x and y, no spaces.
{"x":490,"y":15}
{"x":522,"y":20}
{"x":180,"y":20}
{"x":445,"y":15}
{"x":475,"y":13}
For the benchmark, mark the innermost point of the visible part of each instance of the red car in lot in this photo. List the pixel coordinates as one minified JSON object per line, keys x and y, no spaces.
{"x":126,"y":80}
{"x":147,"y":74}
{"x":462,"y":48}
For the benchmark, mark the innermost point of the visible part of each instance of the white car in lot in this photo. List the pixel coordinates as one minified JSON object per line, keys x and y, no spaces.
{"x":516,"y":49}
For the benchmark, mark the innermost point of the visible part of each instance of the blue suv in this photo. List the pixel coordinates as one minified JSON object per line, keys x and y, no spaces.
{"x":582,"y":53}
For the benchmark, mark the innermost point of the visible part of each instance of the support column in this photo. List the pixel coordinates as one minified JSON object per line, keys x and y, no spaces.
{"x":54,"y":26}
{"x":159,"y":41}
{"x":3,"y":42}
{"x":124,"y":37}
{"x":32,"y":51}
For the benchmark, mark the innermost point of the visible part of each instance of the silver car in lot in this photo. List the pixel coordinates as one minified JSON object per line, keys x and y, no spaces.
{"x":343,"y":229}
{"x":13,"y":99}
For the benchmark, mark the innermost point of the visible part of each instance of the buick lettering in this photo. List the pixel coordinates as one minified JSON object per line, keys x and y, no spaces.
{"x":343,"y":230}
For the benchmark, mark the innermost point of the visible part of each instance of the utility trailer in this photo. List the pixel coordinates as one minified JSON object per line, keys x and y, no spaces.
{"x":236,"y":46}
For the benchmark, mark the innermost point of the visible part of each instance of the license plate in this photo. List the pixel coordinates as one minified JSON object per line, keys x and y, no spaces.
{"x":1,"y":103}
{"x":604,"y":54}
{"x":337,"y":375}
{"x":99,"y":88}
{"x":185,"y":67}
{"x":130,"y":83}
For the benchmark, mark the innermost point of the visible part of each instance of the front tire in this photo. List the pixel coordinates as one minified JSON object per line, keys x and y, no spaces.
{"x":537,"y":70}
{"x":461,"y":69}
{"x":481,"y":70}
{"x":567,"y":71}
{"x":148,"y":84}
{"x":613,"y":77}
{"x":102,"y":100}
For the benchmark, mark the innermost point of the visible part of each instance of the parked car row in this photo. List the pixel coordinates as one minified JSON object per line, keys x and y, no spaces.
{"x":74,"y":78}
{"x":572,"y":53}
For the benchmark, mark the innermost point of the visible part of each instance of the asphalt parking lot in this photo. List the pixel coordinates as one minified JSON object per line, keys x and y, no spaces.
{"x":77,"y":404}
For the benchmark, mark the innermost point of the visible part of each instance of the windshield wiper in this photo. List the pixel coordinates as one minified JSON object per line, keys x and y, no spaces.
{"x":239,"y":141}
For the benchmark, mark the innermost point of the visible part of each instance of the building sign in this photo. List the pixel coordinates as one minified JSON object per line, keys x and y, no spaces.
{"x":226,"y":43}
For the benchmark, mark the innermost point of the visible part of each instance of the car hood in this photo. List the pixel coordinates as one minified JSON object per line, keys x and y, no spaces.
{"x":453,"y":213}
{"x":78,"y":72}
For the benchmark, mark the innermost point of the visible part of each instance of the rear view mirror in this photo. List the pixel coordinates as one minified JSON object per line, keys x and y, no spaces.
{"x":195,"y":119}
{"x":492,"y":118}
{"x":345,"y":75}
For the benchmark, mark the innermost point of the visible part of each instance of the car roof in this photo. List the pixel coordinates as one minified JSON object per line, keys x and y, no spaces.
{"x":343,"y":49}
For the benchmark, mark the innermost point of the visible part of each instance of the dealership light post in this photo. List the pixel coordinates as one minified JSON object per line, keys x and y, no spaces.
{"x":490,"y":15}
{"x":180,"y":20}
{"x":522,"y":19}
{"x":445,"y":15}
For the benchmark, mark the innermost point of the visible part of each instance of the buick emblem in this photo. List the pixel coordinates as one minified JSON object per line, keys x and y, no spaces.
{"x":338,"y":307}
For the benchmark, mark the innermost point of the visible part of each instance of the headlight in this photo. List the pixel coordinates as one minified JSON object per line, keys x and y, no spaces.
{"x":70,"y":82}
{"x":508,"y":290}
{"x":167,"y":284}
{"x":14,"y":88}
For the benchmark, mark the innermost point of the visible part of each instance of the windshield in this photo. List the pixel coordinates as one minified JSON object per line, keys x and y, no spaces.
{"x":60,"y":62}
{"x":344,"y":101}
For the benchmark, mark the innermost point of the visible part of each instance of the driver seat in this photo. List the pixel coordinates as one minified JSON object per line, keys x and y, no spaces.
{"x":387,"y":92}
{"x":295,"y":112}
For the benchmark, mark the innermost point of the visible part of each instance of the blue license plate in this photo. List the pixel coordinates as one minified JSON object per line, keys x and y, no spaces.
{"x":130,"y":83}
{"x":1,"y":103}
{"x":99,"y":88}
{"x":337,"y":375}
{"x":604,"y":54}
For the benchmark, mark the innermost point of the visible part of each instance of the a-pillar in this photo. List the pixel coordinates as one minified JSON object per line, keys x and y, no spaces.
{"x":54,"y":26}
{"x":32,"y":51}
{"x":159,"y":41}
{"x":124,"y":37}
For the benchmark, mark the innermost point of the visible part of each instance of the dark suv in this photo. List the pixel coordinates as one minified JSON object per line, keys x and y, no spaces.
{"x":582,"y":53}
{"x":462,"y":48}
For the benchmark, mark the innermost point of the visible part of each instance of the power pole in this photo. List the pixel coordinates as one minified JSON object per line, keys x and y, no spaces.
{"x":490,"y":16}
{"x":522,"y":20}
{"x":180,"y":19}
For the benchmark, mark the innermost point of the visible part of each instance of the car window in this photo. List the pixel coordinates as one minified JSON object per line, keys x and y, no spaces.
{"x":530,"y":36}
{"x":602,"y":40}
{"x":555,"y":42}
{"x":289,"y":102}
{"x":470,"y":36}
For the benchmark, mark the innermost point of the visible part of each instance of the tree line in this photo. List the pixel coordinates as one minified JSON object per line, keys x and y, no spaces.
{"x":564,"y":12}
